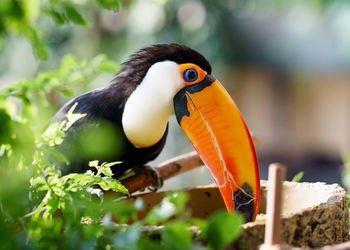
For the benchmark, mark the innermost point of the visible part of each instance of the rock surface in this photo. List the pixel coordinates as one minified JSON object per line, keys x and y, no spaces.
{"x":321,"y":220}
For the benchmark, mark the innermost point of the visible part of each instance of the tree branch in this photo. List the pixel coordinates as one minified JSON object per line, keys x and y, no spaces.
{"x":165,"y":170}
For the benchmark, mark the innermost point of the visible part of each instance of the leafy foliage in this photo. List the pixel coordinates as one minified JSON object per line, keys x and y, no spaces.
{"x":222,"y":229}
{"x":171,"y":205}
{"x":26,"y":155}
{"x":109,"y":4}
{"x":70,"y":72}
{"x":60,"y":190}
{"x":298,"y":176}
{"x":22,"y":16}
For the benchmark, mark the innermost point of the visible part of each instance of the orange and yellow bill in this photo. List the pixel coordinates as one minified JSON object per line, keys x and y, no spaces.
{"x":215,"y":127}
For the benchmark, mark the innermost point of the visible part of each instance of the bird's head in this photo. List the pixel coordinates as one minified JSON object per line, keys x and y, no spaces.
{"x":172,"y":79}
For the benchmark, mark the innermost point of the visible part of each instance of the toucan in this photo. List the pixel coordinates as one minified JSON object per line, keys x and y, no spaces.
{"x":127,"y":121}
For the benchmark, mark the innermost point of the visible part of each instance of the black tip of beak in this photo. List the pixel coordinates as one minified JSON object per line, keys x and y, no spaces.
{"x":244,"y":202}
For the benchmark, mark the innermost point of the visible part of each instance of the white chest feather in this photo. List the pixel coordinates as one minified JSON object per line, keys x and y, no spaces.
{"x":150,"y":106}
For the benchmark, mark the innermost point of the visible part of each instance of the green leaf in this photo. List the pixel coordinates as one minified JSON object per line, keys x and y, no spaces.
{"x":176,"y":235}
{"x":67,"y":92}
{"x":113,"y":5}
{"x":127,"y":238}
{"x":91,"y":231}
{"x":174,"y":203}
{"x":2,"y":42}
{"x":51,"y":207}
{"x":161,"y":212}
{"x":40,"y":180}
{"x":6,"y":127}
{"x":58,"y":155}
{"x":298,"y":176}
{"x":69,"y":61}
{"x":31,"y":9}
{"x":123,"y":212}
{"x":75,"y":77}
{"x":51,"y":171}
{"x":200,"y":223}
{"x":37,"y":212}
{"x":110,"y":164}
{"x":57,"y":16}
{"x":74,"y":16}
{"x":14,"y":9}
{"x":35,"y":39}
{"x":179,"y":199}
{"x":145,"y":243}
{"x":72,"y":117}
{"x":53,"y":135}
{"x":107,"y":172}
{"x":109,"y":66}
{"x":105,"y":168}
{"x":107,"y":183}
{"x":223,"y":228}
{"x":93,"y":164}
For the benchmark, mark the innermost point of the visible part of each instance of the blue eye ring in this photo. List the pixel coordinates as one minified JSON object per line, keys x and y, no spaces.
{"x":190,"y":75}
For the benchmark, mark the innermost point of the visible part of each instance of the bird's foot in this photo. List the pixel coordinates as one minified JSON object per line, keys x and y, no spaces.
{"x":159,"y":181}
{"x":155,"y":174}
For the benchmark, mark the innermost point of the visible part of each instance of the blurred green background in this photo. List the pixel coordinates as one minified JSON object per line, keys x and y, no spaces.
{"x":285,"y":63}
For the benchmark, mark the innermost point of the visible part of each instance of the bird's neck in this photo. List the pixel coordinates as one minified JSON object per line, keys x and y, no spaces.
{"x":144,"y":122}
{"x":149,"y":107}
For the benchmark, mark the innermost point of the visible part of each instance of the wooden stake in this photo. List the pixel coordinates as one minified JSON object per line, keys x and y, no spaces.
{"x":273,"y":226}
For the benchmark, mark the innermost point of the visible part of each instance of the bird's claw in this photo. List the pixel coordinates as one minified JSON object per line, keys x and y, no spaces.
{"x":159,"y":181}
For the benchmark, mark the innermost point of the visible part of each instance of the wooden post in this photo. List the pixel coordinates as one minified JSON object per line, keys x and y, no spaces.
{"x":273,"y":226}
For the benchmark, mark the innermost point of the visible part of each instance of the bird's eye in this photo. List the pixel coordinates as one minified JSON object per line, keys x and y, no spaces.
{"x":190,"y":75}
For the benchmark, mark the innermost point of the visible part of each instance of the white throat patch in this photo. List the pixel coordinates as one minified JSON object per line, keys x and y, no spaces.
{"x":150,"y":106}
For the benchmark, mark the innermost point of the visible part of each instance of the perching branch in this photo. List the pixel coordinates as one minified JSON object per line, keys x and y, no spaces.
{"x":165,"y":170}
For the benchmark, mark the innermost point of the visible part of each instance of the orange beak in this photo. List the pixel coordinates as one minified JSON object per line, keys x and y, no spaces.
{"x":215,"y":127}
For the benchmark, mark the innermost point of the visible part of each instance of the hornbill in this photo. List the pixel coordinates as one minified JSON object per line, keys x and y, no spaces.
{"x":128,"y":121}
